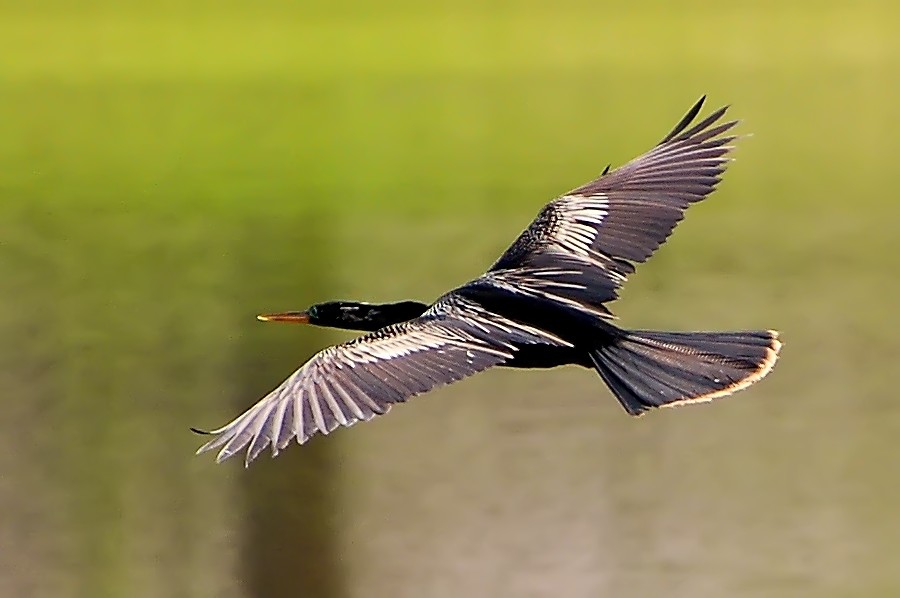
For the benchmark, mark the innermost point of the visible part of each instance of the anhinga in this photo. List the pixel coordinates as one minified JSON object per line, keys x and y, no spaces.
{"x":542,"y":304}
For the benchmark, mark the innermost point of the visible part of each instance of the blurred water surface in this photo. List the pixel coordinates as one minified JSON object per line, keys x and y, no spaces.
{"x":168,"y":170}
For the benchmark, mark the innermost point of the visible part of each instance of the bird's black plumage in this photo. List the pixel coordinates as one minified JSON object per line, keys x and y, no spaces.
{"x":623,"y":216}
{"x":542,"y":304}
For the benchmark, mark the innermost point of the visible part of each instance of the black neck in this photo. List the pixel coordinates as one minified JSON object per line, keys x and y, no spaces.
{"x":366,"y":316}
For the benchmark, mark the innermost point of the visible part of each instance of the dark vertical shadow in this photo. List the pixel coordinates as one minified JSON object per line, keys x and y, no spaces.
{"x":32,"y":488}
{"x":289,"y":541}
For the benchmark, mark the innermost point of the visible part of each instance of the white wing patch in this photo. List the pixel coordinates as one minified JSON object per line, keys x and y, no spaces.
{"x":576,"y":221}
{"x":490,"y":323}
{"x":575,"y":224}
{"x":543,"y":283}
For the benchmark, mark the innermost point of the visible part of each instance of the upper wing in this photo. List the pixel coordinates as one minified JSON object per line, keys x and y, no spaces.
{"x":362,"y":378}
{"x":561,"y":278}
{"x":622,"y":217}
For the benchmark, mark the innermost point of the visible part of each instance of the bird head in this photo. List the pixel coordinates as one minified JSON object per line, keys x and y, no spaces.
{"x":350,"y":315}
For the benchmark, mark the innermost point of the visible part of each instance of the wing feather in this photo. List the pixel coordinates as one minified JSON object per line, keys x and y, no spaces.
{"x":621,"y":218}
{"x":364,"y":377}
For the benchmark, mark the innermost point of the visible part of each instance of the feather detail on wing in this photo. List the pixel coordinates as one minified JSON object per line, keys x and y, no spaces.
{"x":622,"y":217}
{"x":568,"y":280}
{"x":362,"y":378}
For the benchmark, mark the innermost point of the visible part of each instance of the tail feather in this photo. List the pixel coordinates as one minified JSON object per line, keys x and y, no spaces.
{"x":647,"y":369}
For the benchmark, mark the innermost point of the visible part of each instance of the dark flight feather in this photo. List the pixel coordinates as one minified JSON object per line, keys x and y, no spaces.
{"x":619,"y":219}
{"x":362,"y":378}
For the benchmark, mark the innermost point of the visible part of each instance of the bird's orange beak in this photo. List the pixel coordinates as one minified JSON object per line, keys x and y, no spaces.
{"x":296,"y":317}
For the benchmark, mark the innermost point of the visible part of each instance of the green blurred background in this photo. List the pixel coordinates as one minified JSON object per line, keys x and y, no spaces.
{"x":170,"y":169}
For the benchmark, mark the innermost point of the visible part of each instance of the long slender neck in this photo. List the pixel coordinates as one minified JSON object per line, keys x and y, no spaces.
{"x":368,"y":317}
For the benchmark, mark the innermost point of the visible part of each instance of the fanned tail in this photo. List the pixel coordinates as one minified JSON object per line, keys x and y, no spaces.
{"x":647,"y":369}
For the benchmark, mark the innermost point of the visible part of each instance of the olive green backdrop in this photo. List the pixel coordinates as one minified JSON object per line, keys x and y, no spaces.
{"x":168,"y":170}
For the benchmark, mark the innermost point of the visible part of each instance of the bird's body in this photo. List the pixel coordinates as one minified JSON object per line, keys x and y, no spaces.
{"x":542,"y":304}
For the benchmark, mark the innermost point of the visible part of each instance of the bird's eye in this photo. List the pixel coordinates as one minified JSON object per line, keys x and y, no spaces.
{"x":312,"y":311}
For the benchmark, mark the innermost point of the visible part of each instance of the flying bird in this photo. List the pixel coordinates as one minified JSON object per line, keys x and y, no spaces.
{"x":542,"y":304}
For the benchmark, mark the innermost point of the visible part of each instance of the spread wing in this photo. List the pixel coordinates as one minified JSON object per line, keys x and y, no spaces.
{"x":552,"y":276}
{"x":621,"y":218}
{"x":362,"y":378}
